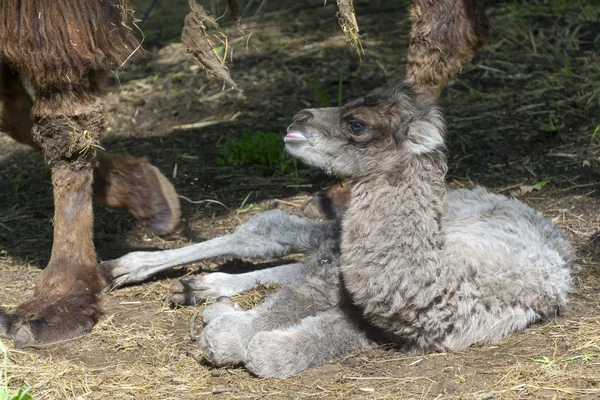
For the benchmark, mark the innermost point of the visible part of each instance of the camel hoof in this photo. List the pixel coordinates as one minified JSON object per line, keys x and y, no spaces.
{"x":191,"y":290}
{"x":183,"y":293}
{"x":24,"y":337}
{"x":133,"y":183}
{"x":43,"y":321}
{"x":166,"y":208}
{"x":223,"y":305}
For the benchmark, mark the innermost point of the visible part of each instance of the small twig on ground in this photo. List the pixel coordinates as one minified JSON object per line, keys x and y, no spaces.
{"x":262,"y":5}
{"x":193,"y":337}
{"x":202,"y":124}
{"x":224,"y":390}
{"x":203,"y":201}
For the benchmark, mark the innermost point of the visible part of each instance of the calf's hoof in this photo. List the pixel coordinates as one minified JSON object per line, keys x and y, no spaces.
{"x":223,"y":305}
{"x":191,"y":290}
{"x":106,"y":270}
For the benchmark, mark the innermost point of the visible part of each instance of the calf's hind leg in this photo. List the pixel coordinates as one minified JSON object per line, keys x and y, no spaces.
{"x":312,"y":341}
{"x":228,"y":331}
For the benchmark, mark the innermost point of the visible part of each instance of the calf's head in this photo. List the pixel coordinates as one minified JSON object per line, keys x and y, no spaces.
{"x":381,"y":133}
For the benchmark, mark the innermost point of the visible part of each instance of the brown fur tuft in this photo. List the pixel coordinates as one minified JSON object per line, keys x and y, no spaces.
{"x":444,"y":35}
{"x":68,"y":128}
{"x":54,"y":44}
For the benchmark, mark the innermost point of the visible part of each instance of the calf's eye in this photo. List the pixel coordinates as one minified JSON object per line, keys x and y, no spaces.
{"x":356,"y":126}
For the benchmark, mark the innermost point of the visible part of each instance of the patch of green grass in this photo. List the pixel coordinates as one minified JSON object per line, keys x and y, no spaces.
{"x":323,"y":97}
{"x":256,"y":148}
{"x":16,"y":185}
{"x":571,"y":11}
{"x":583,"y":357}
{"x":596,"y":135}
{"x":541,"y":184}
{"x":545,"y":361}
{"x":472,"y":96}
{"x":21,"y":393}
{"x":552,"y":125}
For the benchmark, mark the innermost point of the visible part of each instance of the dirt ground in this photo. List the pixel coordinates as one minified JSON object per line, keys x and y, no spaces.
{"x":523,"y":120}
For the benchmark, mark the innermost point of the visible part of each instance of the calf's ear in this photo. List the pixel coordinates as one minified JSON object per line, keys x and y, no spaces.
{"x":423,"y":133}
{"x":425,"y":136}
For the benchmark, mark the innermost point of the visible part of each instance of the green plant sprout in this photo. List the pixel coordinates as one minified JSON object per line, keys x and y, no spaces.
{"x":552,"y":125}
{"x":21,"y":393}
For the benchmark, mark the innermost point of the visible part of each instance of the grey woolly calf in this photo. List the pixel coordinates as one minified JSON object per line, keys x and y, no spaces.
{"x":409,"y":263}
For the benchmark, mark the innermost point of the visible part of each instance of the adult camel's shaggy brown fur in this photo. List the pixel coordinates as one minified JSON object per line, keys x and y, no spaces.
{"x":445,"y":34}
{"x":63,"y":49}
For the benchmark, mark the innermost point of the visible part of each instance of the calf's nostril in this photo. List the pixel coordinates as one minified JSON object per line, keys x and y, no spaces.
{"x":302,"y":116}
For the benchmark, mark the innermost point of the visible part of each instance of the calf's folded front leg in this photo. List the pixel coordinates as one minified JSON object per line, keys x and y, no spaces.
{"x":312,"y":341}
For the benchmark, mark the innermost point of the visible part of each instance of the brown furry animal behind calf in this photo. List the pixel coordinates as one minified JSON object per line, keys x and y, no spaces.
{"x":63,"y":49}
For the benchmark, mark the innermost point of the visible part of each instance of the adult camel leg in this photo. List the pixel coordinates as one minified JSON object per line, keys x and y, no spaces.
{"x":63,"y":49}
{"x":66,"y":125}
{"x":120,"y":180}
{"x":132,"y":183}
